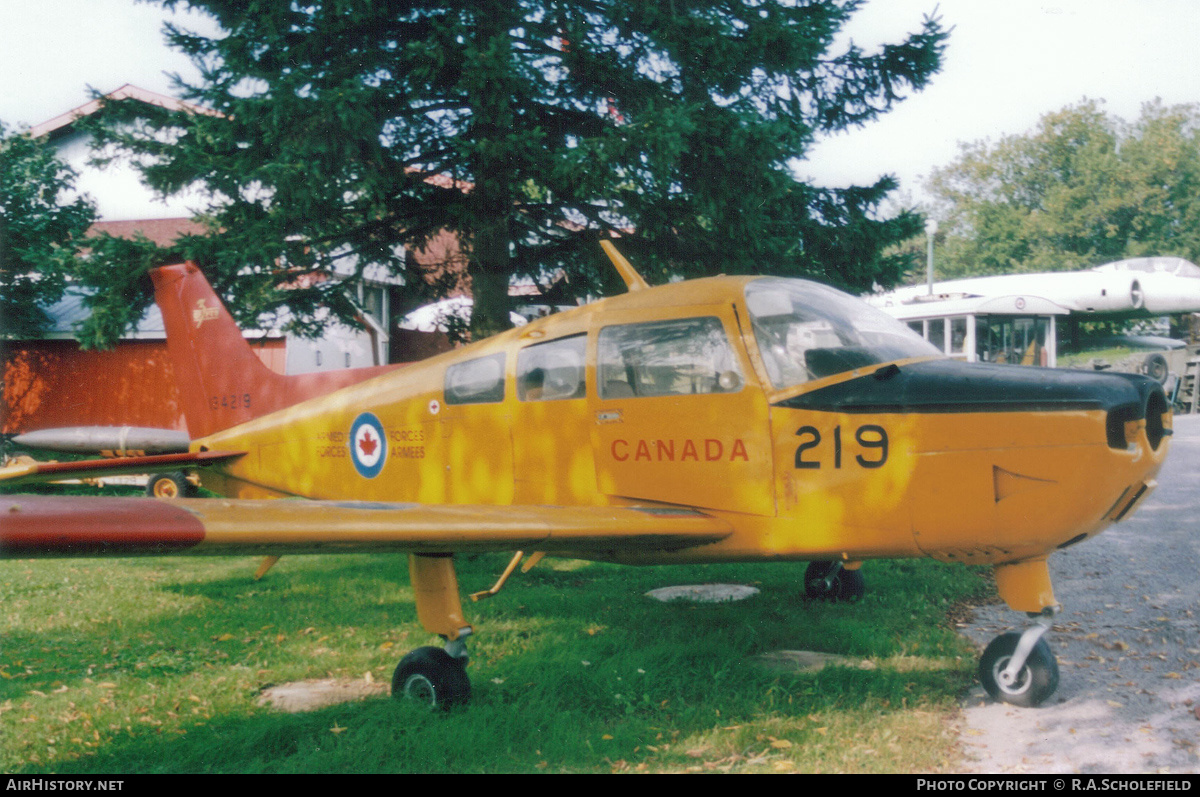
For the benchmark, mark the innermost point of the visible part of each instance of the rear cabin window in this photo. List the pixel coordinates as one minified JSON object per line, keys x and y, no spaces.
{"x":552,"y":371}
{"x":689,"y":356}
{"x":478,"y":381}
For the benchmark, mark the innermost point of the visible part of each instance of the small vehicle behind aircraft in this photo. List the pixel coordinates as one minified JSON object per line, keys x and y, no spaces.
{"x":722,"y":419}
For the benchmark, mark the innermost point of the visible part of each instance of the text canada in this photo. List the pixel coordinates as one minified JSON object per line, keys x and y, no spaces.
{"x":707,"y":450}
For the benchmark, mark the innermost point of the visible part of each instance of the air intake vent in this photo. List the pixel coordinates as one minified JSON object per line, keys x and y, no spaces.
{"x":1115,"y":425}
{"x":1156,"y":411}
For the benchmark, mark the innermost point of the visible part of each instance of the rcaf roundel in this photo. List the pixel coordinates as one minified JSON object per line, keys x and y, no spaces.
{"x":368,"y":445}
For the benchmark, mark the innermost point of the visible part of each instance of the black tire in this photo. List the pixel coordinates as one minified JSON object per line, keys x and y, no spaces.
{"x":431,"y":675}
{"x":170,"y":485}
{"x":1038,"y":678}
{"x":1155,"y":366}
{"x":847,"y":585}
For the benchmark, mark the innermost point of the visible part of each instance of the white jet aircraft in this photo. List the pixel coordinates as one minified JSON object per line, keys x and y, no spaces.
{"x":1139,"y":287}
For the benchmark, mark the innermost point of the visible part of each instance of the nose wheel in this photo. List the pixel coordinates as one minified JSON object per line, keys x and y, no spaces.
{"x":1019,"y":668}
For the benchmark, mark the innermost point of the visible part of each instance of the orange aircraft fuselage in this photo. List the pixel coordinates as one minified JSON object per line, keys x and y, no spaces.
{"x":809,"y":471}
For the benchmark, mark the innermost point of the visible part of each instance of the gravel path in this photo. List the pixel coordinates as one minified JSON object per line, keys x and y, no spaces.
{"x":1127,"y":641}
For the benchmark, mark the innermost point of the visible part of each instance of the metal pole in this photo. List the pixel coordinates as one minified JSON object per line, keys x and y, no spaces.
{"x":930,"y":231}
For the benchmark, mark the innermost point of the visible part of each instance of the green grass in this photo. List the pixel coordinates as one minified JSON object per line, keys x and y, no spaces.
{"x":1112,"y":354}
{"x":155,"y":665}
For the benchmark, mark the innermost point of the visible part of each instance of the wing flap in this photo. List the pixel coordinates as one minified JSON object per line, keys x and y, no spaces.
{"x":37,"y":526}
{"x":36,"y":472}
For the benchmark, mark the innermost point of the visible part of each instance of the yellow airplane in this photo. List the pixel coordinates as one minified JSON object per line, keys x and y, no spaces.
{"x":721,"y":419}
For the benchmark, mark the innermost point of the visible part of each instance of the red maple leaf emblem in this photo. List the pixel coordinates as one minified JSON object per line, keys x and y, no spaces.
{"x":368,"y":444}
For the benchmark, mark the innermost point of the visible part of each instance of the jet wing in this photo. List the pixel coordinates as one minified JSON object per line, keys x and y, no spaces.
{"x":52,"y":526}
{"x":34,"y":472}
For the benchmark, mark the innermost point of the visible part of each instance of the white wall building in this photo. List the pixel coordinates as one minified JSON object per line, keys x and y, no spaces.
{"x":126,"y":206}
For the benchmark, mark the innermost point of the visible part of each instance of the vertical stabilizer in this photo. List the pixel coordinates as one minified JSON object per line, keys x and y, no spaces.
{"x":221,"y":381}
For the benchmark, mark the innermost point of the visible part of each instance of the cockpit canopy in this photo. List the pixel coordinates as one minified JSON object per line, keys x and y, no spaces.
{"x":807,"y":331}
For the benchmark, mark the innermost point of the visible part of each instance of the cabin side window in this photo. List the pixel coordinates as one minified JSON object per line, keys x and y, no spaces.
{"x":552,"y":371}
{"x":687,"y":356}
{"x":479,"y":381}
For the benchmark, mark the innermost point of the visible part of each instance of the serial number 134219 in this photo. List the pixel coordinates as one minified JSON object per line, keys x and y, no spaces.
{"x":229,"y":401}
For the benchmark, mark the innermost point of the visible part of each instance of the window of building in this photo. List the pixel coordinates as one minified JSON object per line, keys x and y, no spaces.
{"x":958,"y":335}
{"x":937,"y":333}
{"x":1015,"y":340}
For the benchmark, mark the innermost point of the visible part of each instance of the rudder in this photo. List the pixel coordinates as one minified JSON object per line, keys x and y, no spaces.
{"x":221,"y":381}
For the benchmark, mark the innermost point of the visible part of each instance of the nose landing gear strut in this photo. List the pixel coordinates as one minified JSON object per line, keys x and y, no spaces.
{"x":1018,"y":667}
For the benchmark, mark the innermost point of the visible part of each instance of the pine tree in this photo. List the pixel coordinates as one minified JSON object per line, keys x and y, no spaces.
{"x":343,"y":132}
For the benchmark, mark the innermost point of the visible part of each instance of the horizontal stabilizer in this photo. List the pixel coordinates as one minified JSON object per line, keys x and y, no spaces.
{"x":36,"y":472}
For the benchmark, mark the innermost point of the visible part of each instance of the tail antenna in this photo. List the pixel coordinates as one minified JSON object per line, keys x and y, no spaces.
{"x":633,"y":280}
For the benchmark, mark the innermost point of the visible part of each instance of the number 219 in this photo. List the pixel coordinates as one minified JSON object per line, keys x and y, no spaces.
{"x":872,"y":439}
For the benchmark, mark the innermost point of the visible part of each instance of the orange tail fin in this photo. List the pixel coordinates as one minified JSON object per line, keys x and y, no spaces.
{"x":221,"y":381}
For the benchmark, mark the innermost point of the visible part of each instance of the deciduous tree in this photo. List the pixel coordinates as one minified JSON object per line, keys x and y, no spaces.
{"x":1083,"y":188}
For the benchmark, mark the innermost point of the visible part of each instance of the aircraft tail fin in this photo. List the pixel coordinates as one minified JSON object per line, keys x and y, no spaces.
{"x":221,"y":381}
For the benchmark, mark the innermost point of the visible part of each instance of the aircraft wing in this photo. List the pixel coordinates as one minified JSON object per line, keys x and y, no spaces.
{"x":53,"y":526}
{"x":34,"y":472}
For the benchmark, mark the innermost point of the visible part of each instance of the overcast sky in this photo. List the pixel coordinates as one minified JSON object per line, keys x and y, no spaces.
{"x":1008,"y":62}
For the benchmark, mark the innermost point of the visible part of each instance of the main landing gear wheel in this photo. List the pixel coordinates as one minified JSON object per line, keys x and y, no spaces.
{"x":1035,"y":681}
{"x":432,"y":676}
{"x":831,"y":581}
{"x":170,"y":485}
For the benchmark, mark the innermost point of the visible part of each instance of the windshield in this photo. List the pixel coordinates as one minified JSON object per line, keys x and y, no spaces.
{"x":807,"y":331}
